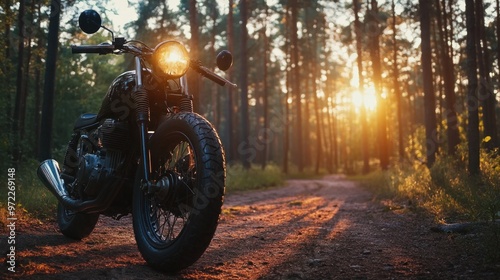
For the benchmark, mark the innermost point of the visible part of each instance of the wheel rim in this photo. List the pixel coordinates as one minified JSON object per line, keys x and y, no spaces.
{"x":166,"y":218}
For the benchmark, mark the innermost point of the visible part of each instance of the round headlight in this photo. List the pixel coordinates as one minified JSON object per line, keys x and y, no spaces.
{"x":171,"y":59}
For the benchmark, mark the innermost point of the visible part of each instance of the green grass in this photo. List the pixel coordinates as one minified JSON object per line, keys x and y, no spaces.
{"x":241,"y":179}
{"x":32,"y":198}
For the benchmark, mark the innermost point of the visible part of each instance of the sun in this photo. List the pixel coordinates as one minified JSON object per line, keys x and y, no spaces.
{"x":367,"y":98}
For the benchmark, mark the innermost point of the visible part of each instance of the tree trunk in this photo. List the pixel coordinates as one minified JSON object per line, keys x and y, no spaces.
{"x":498,"y":31}
{"x":429,"y":97}
{"x":447,"y":72}
{"x":319,"y":147}
{"x":486,"y":93}
{"x":26,"y":68}
{"x":230,"y":136}
{"x":296,"y":84}
{"x":245,"y":121}
{"x":20,"y":105}
{"x":7,"y":64}
{"x":193,"y":77}
{"x":472,"y":98}
{"x":215,"y":111}
{"x":38,"y":95}
{"x":377,"y":80}
{"x":45,"y":151}
{"x":361,"y":87}
{"x":397,"y":88}
{"x":265,"y":100}
{"x":286,"y":136}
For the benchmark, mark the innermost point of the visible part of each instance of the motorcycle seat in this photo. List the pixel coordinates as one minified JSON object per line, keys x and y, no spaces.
{"x":86,"y":119}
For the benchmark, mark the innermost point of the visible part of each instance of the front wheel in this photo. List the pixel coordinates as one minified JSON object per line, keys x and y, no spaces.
{"x":173,"y":227}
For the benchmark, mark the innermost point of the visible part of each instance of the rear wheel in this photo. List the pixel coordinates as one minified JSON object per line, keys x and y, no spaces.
{"x":174,"y":226}
{"x":74,"y":225}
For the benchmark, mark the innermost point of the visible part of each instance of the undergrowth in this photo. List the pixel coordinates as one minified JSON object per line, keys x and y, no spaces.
{"x":448,"y":192}
{"x":32,"y":199}
{"x":239,"y":178}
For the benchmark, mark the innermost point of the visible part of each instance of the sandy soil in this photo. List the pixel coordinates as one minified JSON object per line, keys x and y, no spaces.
{"x":309,"y":229}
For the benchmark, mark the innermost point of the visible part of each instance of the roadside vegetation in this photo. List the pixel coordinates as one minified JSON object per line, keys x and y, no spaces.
{"x":445,"y":190}
{"x":449,"y":194}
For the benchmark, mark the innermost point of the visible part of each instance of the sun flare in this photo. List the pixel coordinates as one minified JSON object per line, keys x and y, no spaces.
{"x":367,"y":98}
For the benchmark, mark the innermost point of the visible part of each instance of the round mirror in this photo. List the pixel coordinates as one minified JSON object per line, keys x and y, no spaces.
{"x":89,"y":21}
{"x":224,"y":60}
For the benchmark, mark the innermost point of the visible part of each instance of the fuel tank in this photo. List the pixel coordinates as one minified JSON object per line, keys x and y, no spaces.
{"x":118,"y":102}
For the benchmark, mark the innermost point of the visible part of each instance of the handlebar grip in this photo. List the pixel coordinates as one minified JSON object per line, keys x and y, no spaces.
{"x":214,"y":77}
{"x":100,"y":49}
{"x":207,"y":73}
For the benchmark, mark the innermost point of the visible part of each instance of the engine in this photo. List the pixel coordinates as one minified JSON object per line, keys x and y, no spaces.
{"x":101,"y":155}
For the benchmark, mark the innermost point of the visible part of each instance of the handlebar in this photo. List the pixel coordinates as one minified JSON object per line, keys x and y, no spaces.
{"x":204,"y":71}
{"x":107,"y":49}
{"x":100,"y":49}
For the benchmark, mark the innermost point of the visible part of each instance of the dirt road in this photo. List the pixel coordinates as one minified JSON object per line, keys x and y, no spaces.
{"x":309,"y":229}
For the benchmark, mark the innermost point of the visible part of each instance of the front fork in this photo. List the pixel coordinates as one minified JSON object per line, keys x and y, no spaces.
{"x":142,"y":111}
{"x":141,"y":101}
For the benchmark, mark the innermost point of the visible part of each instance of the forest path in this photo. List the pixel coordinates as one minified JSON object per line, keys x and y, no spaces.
{"x":309,"y":229}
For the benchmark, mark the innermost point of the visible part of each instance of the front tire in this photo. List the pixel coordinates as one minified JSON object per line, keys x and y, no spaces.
{"x":173,"y":230}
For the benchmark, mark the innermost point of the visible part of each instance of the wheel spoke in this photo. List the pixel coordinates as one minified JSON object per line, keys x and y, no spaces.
{"x":166,"y":216}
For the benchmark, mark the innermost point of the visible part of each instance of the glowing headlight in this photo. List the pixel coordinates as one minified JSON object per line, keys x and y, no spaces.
{"x":171,"y":59}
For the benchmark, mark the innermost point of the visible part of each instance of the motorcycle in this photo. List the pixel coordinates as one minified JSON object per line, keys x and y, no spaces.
{"x":144,"y":153}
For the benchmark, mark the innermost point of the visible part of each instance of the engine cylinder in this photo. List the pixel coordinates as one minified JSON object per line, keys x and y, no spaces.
{"x":114,"y":135}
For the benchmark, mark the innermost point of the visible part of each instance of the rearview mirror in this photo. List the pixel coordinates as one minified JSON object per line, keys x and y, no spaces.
{"x":89,"y":21}
{"x":224,"y":60}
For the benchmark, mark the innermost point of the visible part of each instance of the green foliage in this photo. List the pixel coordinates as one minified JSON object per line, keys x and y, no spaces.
{"x":445,"y":190}
{"x":240,"y":179}
{"x":31,"y":195}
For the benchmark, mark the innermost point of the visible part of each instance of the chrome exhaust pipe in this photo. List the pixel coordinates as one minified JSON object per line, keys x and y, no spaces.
{"x":50,"y":175}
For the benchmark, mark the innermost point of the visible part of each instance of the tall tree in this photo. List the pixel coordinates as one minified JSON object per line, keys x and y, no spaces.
{"x":497,"y":8}
{"x":37,"y":81}
{"x":396,"y":83}
{"x":194,"y":78}
{"x":286,"y":136}
{"x":361,"y":87}
{"x":265,"y":101}
{"x":294,"y":57}
{"x":447,"y":72}
{"x":230,"y":135}
{"x":45,"y":150}
{"x":486,"y":94}
{"x":375,"y":33}
{"x":245,"y":121}
{"x":429,"y":97}
{"x":20,"y":105}
{"x":472,"y":86}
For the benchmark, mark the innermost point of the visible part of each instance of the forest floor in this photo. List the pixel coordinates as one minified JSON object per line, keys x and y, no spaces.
{"x":309,"y":229}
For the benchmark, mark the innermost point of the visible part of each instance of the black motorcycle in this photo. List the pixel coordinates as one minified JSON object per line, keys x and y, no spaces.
{"x":146,"y":153}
